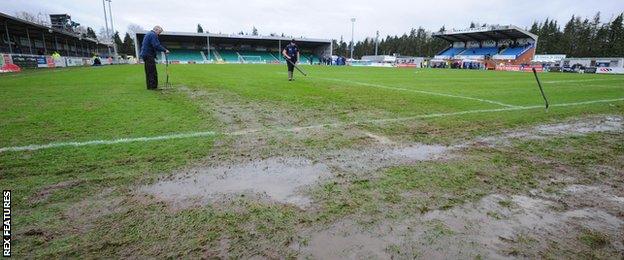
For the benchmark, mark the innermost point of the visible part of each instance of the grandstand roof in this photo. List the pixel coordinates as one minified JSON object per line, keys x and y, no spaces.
{"x":14,"y":24}
{"x":493,"y":32}
{"x":234,"y":39}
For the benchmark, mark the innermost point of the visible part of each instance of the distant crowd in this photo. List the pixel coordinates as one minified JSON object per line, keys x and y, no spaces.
{"x":339,"y":61}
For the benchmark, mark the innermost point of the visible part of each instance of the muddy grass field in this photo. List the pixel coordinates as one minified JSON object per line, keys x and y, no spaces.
{"x":236,"y":162}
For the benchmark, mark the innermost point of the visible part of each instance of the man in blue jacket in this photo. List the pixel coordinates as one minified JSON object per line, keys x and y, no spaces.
{"x":149,"y":49}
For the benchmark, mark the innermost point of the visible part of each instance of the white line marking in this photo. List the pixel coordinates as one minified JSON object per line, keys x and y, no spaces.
{"x":479,"y":111}
{"x":35,"y":147}
{"x":293,"y":129}
{"x":575,"y":80}
{"x":421,"y":92}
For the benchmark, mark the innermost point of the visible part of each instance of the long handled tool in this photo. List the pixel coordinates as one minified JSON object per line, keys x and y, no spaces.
{"x":296,"y":67}
{"x":167,"y":83}
{"x":541,"y":89}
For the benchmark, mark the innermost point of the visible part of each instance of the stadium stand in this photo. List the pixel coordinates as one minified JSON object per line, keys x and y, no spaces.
{"x":23,"y":38}
{"x":486,"y":47}
{"x":452,"y":52}
{"x":516,"y":51}
{"x":263,"y":56}
{"x":480,"y":51}
{"x":214,"y":55}
{"x":188,"y":47}
{"x":229,"y":56}
{"x":186,"y":55}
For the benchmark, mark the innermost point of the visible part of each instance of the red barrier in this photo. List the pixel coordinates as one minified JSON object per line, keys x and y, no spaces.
{"x":10,"y":67}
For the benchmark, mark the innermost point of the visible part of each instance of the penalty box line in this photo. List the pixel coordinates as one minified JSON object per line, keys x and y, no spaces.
{"x":293,"y":129}
{"x":421,"y":92}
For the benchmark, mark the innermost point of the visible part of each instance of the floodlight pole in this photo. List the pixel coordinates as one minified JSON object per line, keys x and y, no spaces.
{"x":208,"y":43}
{"x":352,"y":36}
{"x":377,"y":43}
{"x":106,"y":24}
{"x":110,"y":14}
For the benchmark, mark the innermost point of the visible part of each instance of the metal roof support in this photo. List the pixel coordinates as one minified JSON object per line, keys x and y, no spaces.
{"x":29,"y":42}
{"x":6,"y":29}
{"x":45,"y":48}
{"x":208,"y":43}
{"x":81,"y":49}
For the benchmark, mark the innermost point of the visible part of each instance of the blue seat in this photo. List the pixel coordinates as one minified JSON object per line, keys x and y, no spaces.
{"x":452,"y":52}
{"x":481,"y":51}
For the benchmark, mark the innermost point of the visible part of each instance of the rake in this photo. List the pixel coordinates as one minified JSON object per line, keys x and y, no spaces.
{"x":297,"y":67}
{"x":167,"y":83}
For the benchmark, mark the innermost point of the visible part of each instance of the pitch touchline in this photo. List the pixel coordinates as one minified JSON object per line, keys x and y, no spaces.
{"x":576,"y":80}
{"x":106,"y":142}
{"x":422,"y":92}
{"x":292,"y":129}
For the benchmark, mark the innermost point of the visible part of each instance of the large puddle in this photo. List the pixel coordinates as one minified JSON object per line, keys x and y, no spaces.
{"x":280,"y":179}
{"x":277,"y":179}
{"x":581,"y":127}
{"x":284,"y":179}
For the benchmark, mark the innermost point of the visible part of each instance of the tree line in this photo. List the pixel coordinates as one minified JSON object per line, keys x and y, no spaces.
{"x":418,"y":42}
{"x":579,"y":37}
{"x":125,"y":47}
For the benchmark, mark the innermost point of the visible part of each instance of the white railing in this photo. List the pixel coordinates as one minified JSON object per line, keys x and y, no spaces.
{"x":470,"y":57}
{"x":504,"y":57}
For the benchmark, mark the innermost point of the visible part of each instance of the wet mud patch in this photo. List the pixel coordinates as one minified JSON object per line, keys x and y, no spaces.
{"x":277,"y":179}
{"x":255,"y":170}
{"x":47,"y":191}
{"x":366,"y":160}
{"x":497,"y":226}
{"x":235,"y":113}
{"x":280,"y":179}
{"x":577,"y":127}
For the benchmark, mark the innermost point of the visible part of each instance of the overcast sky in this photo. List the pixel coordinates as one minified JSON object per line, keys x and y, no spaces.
{"x":318,"y":18}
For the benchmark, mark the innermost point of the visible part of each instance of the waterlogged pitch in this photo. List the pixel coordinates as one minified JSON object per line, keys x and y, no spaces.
{"x":236,"y":161}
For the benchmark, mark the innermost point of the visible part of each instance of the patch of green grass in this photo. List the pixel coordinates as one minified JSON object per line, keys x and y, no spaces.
{"x":436,"y":231}
{"x":83,"y":104}
{"x":494,"y":215}
{"x":522,"y":246}
{"x":594,"y":240}
{"x":507,"y":203}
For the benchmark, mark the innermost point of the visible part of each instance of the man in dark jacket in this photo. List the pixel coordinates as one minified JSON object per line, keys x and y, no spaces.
{"x":149,"y":49}
{"x":291,"y":53}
